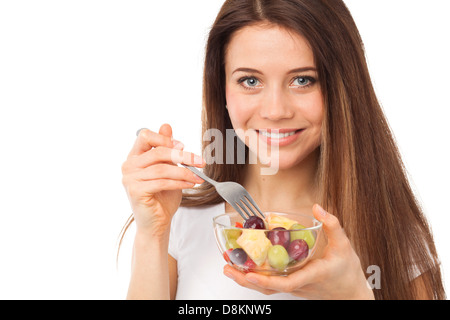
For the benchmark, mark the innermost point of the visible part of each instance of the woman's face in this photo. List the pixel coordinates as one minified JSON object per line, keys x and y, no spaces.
{"x":273,"y":96}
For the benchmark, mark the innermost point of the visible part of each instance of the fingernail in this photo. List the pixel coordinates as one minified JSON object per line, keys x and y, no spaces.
{"x":229,"y":275}
{"x":322,"y":211}
{"x":198,"y":179}
{"x":252,"y":280}
{"x":139,"y":131}
{"x":178,"y":145}
{"x":198,"y":160}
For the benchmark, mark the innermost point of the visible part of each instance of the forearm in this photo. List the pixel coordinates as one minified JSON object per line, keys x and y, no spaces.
{"x":149,"y":270}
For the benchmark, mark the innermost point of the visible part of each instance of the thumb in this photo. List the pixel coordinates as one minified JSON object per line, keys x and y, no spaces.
{"x":331,"y":226}
{"x":166,"y":130}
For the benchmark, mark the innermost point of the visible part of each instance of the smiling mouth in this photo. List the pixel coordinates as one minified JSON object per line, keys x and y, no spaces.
{"x":278,"y":133}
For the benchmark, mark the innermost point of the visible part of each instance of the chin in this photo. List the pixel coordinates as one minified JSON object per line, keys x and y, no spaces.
{"x":285,"y":164}
{"x":279,"y":164}
{"x":287,"y":161}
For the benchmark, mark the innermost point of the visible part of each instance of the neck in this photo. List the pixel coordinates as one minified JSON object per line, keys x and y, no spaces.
{"x":288,"y":190}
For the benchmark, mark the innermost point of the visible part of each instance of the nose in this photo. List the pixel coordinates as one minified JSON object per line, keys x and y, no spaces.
{"x":275,"y":105}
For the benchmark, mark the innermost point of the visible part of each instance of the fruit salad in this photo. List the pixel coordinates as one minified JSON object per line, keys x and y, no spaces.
{"x":273,"y":244}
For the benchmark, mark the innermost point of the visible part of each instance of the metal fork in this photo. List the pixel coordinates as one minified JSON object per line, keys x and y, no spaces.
{"x":233,"y":193}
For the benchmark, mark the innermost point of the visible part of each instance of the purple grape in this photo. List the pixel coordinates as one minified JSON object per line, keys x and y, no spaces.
{"x":238,"y":256}
{"x":298,"y":249}
{"x":279,"y":236}
{"x":254,"y":222}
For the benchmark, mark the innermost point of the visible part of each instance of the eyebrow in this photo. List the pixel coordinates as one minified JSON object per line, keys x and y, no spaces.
{"x":291,"y":71}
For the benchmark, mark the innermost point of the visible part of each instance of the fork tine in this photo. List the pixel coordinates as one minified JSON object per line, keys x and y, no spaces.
{"x":254,"y":204}
{"x":235,"y":207}
{"x":247,"y":203}
{"x":243,"y":207}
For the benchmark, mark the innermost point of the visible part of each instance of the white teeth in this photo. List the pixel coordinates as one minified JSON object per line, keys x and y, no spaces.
{"x":277,"y":135}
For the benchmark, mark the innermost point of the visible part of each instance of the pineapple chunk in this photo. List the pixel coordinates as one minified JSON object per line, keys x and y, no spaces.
{"x":255,"y":244}
{"x":276,"y":221}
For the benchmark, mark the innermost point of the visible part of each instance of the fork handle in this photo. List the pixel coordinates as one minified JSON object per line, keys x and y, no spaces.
{"x":200,"y":174}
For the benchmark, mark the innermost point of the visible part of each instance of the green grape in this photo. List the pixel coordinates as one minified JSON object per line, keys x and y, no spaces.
{"x":232,"y":233}
{"x":306,"y":235}
{"x":232,"y":244}
{"x":278,"y":257}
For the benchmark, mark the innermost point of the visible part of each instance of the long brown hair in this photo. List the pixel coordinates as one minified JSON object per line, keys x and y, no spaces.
{"x":362,"y":179}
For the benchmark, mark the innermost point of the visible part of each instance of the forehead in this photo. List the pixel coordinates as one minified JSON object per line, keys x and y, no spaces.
{"x":265,"y":46}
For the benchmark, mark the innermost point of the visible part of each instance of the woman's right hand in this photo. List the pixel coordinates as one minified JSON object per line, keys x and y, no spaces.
{"x":153,"y":181}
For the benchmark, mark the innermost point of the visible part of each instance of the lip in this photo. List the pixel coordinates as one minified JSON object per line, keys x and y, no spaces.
{"x":280,"y":142}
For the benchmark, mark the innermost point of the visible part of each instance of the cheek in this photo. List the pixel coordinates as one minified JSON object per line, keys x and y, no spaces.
{"x":239,"y":109}
{"x":313,"y":110}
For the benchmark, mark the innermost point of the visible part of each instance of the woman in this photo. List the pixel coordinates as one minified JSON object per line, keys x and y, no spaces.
{"x":295,"y":67}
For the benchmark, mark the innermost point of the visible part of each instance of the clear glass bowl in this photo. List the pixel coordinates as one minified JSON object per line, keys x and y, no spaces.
{"x":286,"y":244}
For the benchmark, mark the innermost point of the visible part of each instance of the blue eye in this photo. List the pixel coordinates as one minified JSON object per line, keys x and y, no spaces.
{"x":302,"y":81}
{"x":249,"y":82}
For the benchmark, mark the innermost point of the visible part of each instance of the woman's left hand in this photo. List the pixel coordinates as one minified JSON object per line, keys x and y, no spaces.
{"x":337,"y":275}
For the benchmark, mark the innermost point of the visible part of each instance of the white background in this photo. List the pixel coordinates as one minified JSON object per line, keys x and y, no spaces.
{"x":78,"y":78}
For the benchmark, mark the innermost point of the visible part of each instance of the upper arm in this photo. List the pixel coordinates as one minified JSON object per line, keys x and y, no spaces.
{"x":173,"y":277}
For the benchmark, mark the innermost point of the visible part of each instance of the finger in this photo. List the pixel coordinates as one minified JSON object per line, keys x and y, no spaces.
{"x":147,"y":140}
{"x":165,"y":171}
{"x":166,"y":130}
{"x":294,"y":282}
{"x":241,"y":280}
{"x":331,"y":226}
{"x":275,"y":283}
{"x":168,"y":155}
{"x":177,"y":145}
{"x":154,"y":186}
